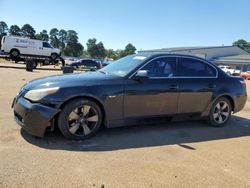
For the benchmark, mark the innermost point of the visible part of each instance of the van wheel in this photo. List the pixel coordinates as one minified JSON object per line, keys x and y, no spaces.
{"x":14,"y":53}
{"x":54,"y":56}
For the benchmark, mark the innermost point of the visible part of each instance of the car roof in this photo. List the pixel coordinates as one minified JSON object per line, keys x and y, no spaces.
{"x":159,"y":54}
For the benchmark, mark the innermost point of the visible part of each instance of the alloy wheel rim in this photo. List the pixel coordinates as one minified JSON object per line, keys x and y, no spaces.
{"x":83,"y":120}
{"x":221,"y":112}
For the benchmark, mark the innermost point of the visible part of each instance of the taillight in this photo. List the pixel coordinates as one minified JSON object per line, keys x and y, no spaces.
{"x":243,"y":83}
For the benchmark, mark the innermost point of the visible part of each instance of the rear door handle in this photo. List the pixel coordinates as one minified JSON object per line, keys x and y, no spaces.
{"x":173,"y":87}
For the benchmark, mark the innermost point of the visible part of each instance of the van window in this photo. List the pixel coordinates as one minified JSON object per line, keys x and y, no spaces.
{"x":46,"y":45}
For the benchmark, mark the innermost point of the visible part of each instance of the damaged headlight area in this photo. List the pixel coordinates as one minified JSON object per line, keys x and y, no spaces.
{"x":38,"y":94}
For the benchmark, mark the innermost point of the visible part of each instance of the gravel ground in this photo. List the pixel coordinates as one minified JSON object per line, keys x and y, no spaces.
{"x":180,"y":154}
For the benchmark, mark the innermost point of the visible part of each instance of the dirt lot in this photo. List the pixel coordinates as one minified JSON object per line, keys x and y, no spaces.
{"x":183,"y":154}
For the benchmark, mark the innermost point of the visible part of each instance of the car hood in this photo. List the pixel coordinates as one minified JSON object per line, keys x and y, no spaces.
{"x":70,"y":80}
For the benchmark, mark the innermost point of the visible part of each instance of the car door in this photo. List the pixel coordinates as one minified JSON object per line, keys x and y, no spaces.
{"x":197,"y":82}
{"x":46,"y":49}
{"x":153,"y":96}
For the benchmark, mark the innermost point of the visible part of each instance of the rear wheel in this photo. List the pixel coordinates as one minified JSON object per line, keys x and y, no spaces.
{"x":14,"y":53}
{"x":80,"y":119}
{"x":220,"y":112}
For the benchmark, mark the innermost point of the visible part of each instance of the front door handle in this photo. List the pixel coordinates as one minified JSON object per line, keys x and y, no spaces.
{"x":173,"y":87}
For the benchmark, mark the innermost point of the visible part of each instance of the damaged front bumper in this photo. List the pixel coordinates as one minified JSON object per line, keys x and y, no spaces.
{"x":33,"y":117}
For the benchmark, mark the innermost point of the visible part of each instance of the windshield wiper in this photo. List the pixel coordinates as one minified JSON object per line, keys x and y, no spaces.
{"x":103,"y":72}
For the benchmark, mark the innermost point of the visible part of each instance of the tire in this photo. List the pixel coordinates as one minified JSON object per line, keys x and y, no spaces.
{"x":29,"y":65}
{"x":63,"y":62}
{"x":220,"y":112}
{"x":68,"y":69}
{"x":80,"y":119}
{"x":35,"y":64}
{"x":54,"y":56}
{"x":14,"y":53}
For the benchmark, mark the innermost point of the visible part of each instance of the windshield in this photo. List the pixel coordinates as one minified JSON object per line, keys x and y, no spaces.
{"x":124,"y":65}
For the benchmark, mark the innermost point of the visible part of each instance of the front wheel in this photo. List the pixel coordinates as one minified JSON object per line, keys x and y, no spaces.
{"x":54,"y":56}
{"x":80,"y":119}
{"x":220,"y":112}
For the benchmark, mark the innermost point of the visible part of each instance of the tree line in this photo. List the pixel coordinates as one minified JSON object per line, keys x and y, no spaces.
{"x":243,"y":44}
{"x":66,"y":41}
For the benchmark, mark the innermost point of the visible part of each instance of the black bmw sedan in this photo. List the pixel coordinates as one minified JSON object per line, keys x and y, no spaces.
{"x":132,"y":90}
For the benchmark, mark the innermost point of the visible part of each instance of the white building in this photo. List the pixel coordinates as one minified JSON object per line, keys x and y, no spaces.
{"x":226,"y":55}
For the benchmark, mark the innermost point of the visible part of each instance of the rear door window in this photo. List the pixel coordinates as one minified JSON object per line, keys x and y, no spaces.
{"x":189,"y":67}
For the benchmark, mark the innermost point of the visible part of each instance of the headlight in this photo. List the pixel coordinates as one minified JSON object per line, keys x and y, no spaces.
{"x":38,"y":94}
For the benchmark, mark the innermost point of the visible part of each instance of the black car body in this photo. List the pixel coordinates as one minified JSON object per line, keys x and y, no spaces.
{"x":87,"y":63}
{"x":126,"y":93}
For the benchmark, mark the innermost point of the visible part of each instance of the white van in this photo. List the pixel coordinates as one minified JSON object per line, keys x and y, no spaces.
{"x":16,"y":46}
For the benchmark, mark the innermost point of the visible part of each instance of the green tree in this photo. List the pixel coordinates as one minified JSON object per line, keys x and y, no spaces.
{"x":62,"y":36}
{"x":15,"y":30}
{"x":129,"y":49}
{"x":73,"y":47}
{"x":111,"y":54}
{"x":91,"y":47}
{"x":101,"y":52}
{"x":72,"y":36}
{"x":95,"y":50}
{"x":3,"y":30}
{"x":43,"y":35}
{"x":240,"y":43}
{"x":54,"y":38}
{"x":28,"y":31}
{"x":85,"y":53}
{"x":243,"y":44}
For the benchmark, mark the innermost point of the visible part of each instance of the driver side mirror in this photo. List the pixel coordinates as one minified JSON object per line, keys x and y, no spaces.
{"x":142,"y":74}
